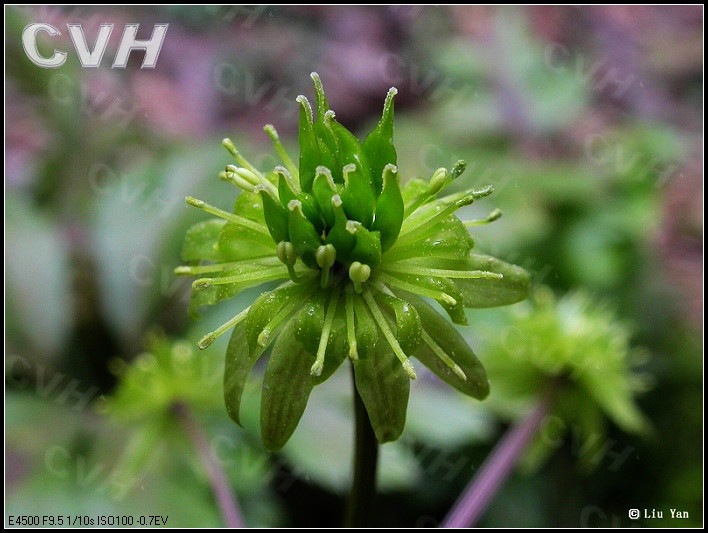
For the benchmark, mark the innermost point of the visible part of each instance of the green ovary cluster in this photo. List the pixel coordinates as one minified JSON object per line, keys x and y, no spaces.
{"x":355,"y":252}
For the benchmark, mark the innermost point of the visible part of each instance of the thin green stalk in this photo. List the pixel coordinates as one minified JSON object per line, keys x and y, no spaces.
{"x":366,"y":451}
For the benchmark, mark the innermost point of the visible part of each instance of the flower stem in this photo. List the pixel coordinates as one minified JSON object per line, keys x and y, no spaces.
{"x":366,"y":451}
{"x":225,"y":498}
{"x":470,"y":507}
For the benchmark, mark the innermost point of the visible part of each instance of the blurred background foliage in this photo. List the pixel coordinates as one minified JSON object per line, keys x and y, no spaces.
{"x":588,"y":122}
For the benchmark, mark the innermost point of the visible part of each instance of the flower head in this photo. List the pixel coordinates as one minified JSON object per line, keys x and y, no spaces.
{"x":356,"y":255}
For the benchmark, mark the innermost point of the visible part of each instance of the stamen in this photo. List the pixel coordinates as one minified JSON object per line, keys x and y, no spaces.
{"x":231,"y":147}
{"x":390,"y":337}
{"x":437,"y":182}
{"x":244,"y":174}
{"x":236,"y":219}
{"x":416,"y":232}
{"x":359,"y":273}
{"x":209,"y":338}
{"x":443,"y":273}
{"x":236,"y":180}
{"x":266,"y":274}
{"x":427,"y":339}
{"x":273,"y":134}
{"x":317,"y":367}
{"x":287,"y":255}
{"x":325,"y":257}
{"x":423,"y":291}
{"x":351,"y":331}
{"x":264,"y":260}
{"x":491,"y":217}
{"x":240,"y":175}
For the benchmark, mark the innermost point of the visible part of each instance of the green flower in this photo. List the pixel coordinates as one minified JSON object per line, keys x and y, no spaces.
{"x":577,"y":346}
{"x":355,"y":254}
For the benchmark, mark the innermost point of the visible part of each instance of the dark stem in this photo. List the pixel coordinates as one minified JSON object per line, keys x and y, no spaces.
{"x":470,"y":507}
{"x":366,"y":452}
{"x":224,"y":496}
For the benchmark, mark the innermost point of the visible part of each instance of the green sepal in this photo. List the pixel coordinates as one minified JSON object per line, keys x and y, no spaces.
{"x":513,"y":287}
{"x":249,"y":205}
{"x":455,"y":311}
{"x":310,"y":321}
{"x":337,"y":348}
{"x":358,"y":195}
{"x":229,"y":290}
{"x":413,"y":189}
{"x":276,"y":216}
{"x":389,"y":209}
{"x":406,"y":318}
{"x":449,"y":239}
{"x":367,"y":246}
{"x":303,"y":234}
{"x":384,"y":388}
{"x":367,"y":332}
{"x":453,"y":344}
{"x":237,"y":243}
{"x":267,"y":306}
{"x":286,"y":388}
{"x":480,"y":293}
{"x":378,"y":145}
{"x":200,"y":241}
{"x":239,"y":361}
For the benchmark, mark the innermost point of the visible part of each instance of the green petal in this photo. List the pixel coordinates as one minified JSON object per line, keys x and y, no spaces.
{"x":350,"y":152}
{"x":322,"y":191}
{"x":303,"y":235}
{"x":276,"y":216}
{"x":389,"y":209}
{"x":239,"y":361}
{"x":339,"y":237}
{"x":286,"y":388}
{"x":384,"y":387}
{"x":407,"y":321}
{"x":310,"y":157}
{"x":367,"y":246}
{"x":451,"y":342}
{"x":200,"y":241}
{"x":358,"y":195}
{"x":378,"y":146}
